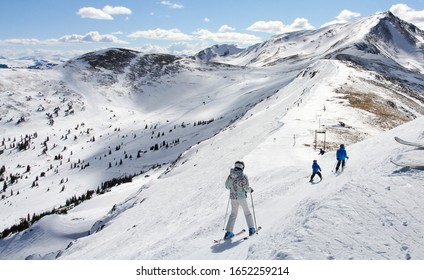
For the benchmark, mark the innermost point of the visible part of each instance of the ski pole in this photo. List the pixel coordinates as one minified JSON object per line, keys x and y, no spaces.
{"x":253,"y":208}
{"x":334,"y":166}
{"x":226,"y":213}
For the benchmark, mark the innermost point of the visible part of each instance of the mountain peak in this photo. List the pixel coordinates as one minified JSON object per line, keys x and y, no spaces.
{"x":115,"y":58}
{"x":393,"y":36}
{"x":389,"y":18}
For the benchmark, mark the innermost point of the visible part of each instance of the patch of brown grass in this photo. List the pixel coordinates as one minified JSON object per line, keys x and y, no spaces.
{"x":385,"y":112}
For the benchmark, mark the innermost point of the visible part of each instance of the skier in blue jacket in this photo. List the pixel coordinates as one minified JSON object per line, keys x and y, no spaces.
{"x":316,"y":169}
{"x":341,"y":155}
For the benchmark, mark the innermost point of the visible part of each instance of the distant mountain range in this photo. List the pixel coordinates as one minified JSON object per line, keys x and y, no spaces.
{"x":30,"y":62}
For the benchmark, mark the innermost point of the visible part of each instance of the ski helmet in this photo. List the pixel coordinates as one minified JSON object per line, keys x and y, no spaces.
{"x":239,"y":165}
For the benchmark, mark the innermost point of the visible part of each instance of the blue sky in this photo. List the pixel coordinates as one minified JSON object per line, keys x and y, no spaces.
{"x":73,"y":27}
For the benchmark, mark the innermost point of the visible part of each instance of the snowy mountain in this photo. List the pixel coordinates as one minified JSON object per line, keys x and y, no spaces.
{"x":362,"y":42}
{"x":31,"y":62}
{"x":217,"y":52}
{"x":112,"y":153}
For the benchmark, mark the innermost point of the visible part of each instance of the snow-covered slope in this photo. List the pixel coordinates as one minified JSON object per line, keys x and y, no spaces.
{"x":81,"y":128}
{"x":172,"y":127}
{"x":370,"y":211}
{"x":298,"y":218}
{"x":217,"y":52}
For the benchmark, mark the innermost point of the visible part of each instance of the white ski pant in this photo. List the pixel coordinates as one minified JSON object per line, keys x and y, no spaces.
{"x":235,"y":203}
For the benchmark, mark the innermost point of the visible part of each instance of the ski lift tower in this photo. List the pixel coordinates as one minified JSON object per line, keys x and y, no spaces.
{"x":319,"y":133}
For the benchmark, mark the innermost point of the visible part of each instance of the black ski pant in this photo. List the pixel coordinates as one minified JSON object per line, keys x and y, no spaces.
{"x":342,"y":162}
{"x":313,"y":175}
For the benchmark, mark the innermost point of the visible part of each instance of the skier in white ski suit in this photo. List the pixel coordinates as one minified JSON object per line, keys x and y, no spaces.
{"x":238,"y":184}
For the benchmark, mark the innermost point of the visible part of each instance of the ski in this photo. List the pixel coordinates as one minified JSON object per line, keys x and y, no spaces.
{"x":257,"y":230}
{"x":342,"y":168}
{"x":338,"y":172}
{"x":315,"y":182}
{"x":235,"y":234}
{"x":404,"y":142}
{"x":419,"y":167}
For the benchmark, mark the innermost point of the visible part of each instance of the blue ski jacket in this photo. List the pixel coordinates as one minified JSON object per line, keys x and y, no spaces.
{"x":315,"y":167}
{"x":238,"y":184}
{"x":341,"y":154}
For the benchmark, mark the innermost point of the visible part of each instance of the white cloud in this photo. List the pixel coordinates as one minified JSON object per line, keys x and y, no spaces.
{"x":116,"y":10}
{"x":300,"y":24}
{"x":277,"y":27}
{"x":104,"y":14}
{"x":206,"y":20}
{"x":408,"y":14}
{"x":200,"y":35}
{"x":161,"y":34}
{"x":148,"y":49}
{"x":347,"y":15}
{"x":227,"y":37}
{"x":226,"y":28}
{"x":93,"y":13}
{"x":92,"y":36}
{"x":344,"y":17}
{"x":30,"y":41}
{"x":23,"y":41}
{"x":267,"y":26}
{"x":172,"y":5}
{"x":97,"y":37}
